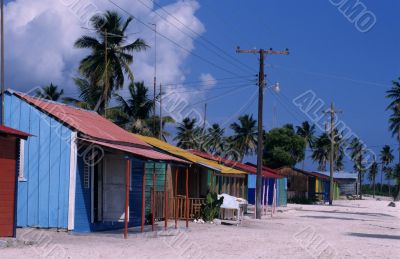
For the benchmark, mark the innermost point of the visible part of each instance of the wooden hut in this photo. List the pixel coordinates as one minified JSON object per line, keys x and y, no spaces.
{"x":277,"y":182}
{"x":11,"y":142}
{"x":272,"y":181}
{"x":76,"y":176}
{"x":304,"y":185}
{"x":203,"y":176}
{"x":347,"y":182}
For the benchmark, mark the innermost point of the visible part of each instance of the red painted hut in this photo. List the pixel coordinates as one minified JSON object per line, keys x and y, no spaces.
{"x":9,"y":157}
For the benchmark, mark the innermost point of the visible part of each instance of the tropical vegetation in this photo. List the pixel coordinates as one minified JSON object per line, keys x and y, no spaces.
{"x":49,"y":92}
{"x":110,"y":54}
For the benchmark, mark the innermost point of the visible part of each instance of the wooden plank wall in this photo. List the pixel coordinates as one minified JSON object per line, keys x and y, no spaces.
{"x":43,"y":197}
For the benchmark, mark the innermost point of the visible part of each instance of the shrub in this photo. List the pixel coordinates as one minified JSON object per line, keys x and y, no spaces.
{"x":210,"y":209}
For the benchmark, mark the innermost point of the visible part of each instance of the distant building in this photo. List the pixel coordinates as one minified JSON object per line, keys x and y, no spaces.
{"x":303,"y":185}
{"x":347,"y":182}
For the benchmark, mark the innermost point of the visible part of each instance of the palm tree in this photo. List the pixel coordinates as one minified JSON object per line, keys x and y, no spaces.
{"x":307,"y":131}
{"x":357,"y":153}
{"x":88,"y":96}
{"x":396,"y":174}
{"x":394,"y":94}
{"x":138,"y":106}
{"x":110,"y":39}
{"x":165,"y":120}
{"x":321,"y":149}
{"x":388,"y":170}
{"x":244,"y":139}
{"x":386,"y":158}
{"x":215,"y":140}
{"x":187,"y":136}
{"x":394,"y":121}
{"x":373,"y":171}
{"x":49,"y":92}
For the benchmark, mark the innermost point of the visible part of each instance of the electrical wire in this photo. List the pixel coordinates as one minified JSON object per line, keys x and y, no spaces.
{"x":200,"y":36}
{"x":174,"y":42}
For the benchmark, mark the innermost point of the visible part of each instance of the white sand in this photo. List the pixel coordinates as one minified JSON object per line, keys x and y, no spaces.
{"x":352,"y":229}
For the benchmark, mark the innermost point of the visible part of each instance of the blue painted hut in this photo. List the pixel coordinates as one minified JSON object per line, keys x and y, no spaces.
{"x":73,"y":168}
{"x":269,"y":179}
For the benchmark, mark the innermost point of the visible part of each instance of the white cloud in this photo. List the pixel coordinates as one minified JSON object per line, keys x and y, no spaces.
{"x":208,"y":81}
{"x":40,"y":37}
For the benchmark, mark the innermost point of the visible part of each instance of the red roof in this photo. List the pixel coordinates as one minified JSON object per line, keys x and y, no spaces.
{"x":97,"y":129}
{"x":267,"y":172}
{"x":87,"y":122}
{"x":13,"y":132}
{"x":146,"y":153}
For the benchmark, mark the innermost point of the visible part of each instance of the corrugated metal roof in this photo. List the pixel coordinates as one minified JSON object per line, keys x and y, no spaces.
{"x":97,"y":129}
{"x":339,"y":175}
{"x":235,"y":164}
{"x":189,"y":156}
{"x":313,"y":174}
{"x":145,"y":153}
{"x":274,"y":171}
{"x":87,"y":122}
{"x":14,"y":132}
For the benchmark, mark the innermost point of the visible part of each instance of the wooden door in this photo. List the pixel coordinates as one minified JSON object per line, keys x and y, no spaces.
{"x":8,"y":171}
{"x":114,"y":189}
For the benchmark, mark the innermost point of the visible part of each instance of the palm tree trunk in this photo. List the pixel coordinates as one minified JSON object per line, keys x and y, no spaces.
{"x":360,"y":186}
{"x":397,"y":197}
{"x":389,"y":186}
{"x":373,"y":187}
{"x":381,"y":178}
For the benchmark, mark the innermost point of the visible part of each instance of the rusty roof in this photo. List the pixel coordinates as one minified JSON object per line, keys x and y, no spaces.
{"x":13,"y":132}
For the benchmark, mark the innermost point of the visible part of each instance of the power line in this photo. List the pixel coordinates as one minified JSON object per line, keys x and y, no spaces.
{"x":286,"y":108}
{"x":174,"y":42}
{"x":330,"y":76}
{"x":218,"y":96}
{"x":212,"y":89}
{"x":200,"y":36}
{"x":211,"y":80}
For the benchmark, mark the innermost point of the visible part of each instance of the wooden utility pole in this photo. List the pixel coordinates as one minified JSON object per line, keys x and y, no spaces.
{"x":155,"y":78}
{"x":106,"y":72}
{"x":332,"y":113}
{"x":2,"y":62}
{"x":261,"y":86}
{"x":205,"y":116}
{"x":161,"y":120}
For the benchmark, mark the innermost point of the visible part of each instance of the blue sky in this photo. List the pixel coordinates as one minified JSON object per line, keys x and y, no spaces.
{"x":327,"y":55}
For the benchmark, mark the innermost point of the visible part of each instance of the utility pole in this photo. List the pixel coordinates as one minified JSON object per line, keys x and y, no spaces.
{"x":161,"y":121}
{"x":332,"y":113}
{"x":205,"y":116}
{"x":155,"y":78}
{"x":261,"y":86}
{"x":2,"y":62}
{"x":106,"y":71}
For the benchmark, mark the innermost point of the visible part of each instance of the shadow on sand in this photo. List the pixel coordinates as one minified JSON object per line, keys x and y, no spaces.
{"x":352,"y":213}
{"x":379,"y":236}
{"x":330,"y":217}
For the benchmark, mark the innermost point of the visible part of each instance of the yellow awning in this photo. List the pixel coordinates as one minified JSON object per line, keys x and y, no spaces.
{"x":171,"y":149}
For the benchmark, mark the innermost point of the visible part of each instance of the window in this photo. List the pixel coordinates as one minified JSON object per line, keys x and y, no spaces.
{"x":21,"y":159}
{"x":86,"y":176}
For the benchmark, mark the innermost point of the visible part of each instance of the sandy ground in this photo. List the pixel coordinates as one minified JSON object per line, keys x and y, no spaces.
{"x":349,"y":229}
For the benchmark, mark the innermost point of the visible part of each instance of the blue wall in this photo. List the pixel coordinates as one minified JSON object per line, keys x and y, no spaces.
{"x":83,"y":201}
{"x":281,"y":190}
{"x":43,"y":197}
